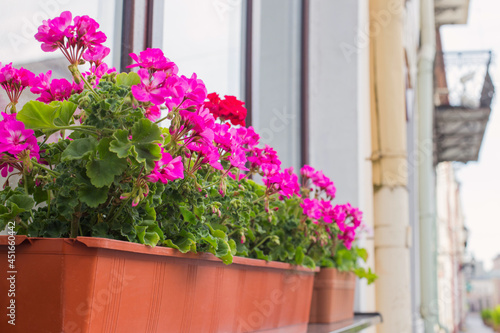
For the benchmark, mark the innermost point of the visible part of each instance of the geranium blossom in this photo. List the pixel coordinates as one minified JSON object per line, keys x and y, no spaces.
{"x":72,"y":40}
{"x":229,"y":108}
{"x":193,"y":92}
{"x":14,"y":81}
{"x":96,"y":54}
{"x":151,"y":87}
{"x":153,"y":59}
{"x":167,"y":169}
{"x":153,"y":113}
{"x":55,"y":90}
{"x":15,"y":139}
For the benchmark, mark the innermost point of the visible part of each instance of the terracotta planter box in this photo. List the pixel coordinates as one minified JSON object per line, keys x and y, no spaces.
{"x":333,"y":296}
{"x":92,"y":285}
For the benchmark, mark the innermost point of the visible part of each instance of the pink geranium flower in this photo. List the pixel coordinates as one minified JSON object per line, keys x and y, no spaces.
{"x":72,"y":40}
{"x":154,"y":60}
{"x":55,"y":90}
{"x":14,"y":81}
{"x":153,"y":113}
{"x":307,"y":171}
{"x":53,"y":31}
{"x":96,"y":54}
{"x":151,"y":87}
{"x":15,"y":138}
{"x":167,"y":169}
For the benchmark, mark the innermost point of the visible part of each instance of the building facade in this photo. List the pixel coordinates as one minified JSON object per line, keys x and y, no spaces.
{"x":346,"y":86}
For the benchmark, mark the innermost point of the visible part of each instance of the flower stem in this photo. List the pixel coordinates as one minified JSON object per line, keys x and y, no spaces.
{"x":25,"y":183}
{"x":260,"y":243}
{"x":75,"y":222}
{"x":41,"y":166}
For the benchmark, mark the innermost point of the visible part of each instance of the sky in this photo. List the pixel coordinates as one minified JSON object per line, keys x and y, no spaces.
{"x":480,"y":181}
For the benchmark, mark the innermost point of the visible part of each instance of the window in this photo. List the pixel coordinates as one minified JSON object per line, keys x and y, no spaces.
{"x":205,"y":37}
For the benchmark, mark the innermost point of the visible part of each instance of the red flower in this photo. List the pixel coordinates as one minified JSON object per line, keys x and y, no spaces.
{"x":229,"y":108}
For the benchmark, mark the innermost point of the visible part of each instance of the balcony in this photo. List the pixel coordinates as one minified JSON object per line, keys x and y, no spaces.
{"x":464,"y":92}
{"x":451,"y":11}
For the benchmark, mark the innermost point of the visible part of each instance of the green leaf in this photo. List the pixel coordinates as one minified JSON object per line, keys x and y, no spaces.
{"x":187,"y":215}
{"x":184,"y":245}
{"x":144,"y":143}
{"x":48,"y":118}
{"x":146,"y":131}
{"x":37,"y":115}
{"x":299,"y":255}
{"x":128,"y":79}
{"x":103,"y":172}
{"x":22,"y":201}
{"x":79,"y":149}
{"x":93,"y":196}
{"x":121,"y":145}
{"x":362,"y":253}
{"x":199,"y":210}
{"x":150,"y":238}
{"x":251,"y":235}
{"x":308,"y":262}
{"x":260,"y":255}
{"x":232,"y":246}
{"x":65,"y":112}
{"x":207,"y":237}
{"x":128,"y":230}
{"x":224,"y":251}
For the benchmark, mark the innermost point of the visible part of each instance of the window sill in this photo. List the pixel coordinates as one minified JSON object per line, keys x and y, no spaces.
{"x":359,"y":322}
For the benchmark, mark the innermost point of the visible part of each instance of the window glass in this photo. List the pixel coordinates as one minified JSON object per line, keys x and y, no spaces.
{"x":205,"y":37}
{"x":19,"y":22}
{"x":277,"y":45}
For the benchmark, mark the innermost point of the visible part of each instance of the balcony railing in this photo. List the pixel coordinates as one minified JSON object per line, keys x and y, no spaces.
{"x":464,"y":92}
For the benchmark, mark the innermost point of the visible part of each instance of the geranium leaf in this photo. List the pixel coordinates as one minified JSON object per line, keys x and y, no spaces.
{"x":102,"y":171}
{"x":37,"y":115}
{"x":224,"y":251}
{"x":93,"y":196}
{"x":22,"y":201}
{"x":299,"y":255}
{"x":187,"y":215}
{"x":128,"y":79}
{"x":79,"y":149}
{"x":151,"y":238}
{"x":143,"y":145}
{"x":145,"y":131}
{"x":121,"y":145}
{"x":40,"y":116}
{"x":308,"y":262}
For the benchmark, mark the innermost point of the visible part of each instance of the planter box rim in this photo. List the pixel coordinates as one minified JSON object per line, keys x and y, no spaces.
{"x":124,"y":246}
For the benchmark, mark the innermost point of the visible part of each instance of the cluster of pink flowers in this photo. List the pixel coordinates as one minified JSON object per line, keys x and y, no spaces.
{"x":14,"y":81}
{"x":266,"y":162}
{"x":321,"y":211}
{"x":167,"y":169}
{"x":55,"y":90}
{"x":195,"y":126}
{"x":74,"y":40}
{"x":322,"y":182}
{"x":18,"y":145}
